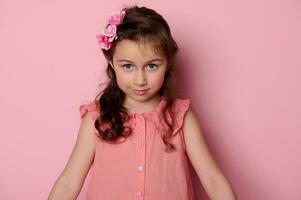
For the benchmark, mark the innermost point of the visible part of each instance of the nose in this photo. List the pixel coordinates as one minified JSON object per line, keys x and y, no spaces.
{"x":140,"y":78}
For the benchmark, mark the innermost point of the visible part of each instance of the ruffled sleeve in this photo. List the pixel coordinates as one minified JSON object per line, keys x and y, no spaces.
{"x":89,"y":108}
{"x":180,"y":108}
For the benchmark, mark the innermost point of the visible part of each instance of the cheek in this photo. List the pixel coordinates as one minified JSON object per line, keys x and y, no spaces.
{"x":122,"y":79}
{"x":158,"y":80}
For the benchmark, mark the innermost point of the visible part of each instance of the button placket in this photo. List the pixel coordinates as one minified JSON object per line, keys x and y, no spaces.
{"x":140,"y":126}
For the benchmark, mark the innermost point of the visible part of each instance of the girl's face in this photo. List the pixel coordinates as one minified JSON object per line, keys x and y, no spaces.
{"x":139,"y":71}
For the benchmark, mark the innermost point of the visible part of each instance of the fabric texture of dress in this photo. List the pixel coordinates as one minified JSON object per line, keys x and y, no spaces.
{"x":138,"y":167}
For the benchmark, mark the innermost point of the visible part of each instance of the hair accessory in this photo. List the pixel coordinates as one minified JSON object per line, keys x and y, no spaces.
{"x":105,"y":38}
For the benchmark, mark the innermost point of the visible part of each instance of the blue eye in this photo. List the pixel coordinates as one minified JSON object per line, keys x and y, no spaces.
{"x":152,"y":66}
{"x":127,"y":66}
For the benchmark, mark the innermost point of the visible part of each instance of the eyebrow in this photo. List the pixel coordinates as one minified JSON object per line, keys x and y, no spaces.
{"x":125,"y":60}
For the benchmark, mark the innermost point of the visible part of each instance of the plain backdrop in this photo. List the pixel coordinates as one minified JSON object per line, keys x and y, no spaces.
{"x":239,"y":62}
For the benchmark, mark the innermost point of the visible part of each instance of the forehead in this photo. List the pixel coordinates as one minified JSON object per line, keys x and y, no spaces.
{"x":135,"y":50}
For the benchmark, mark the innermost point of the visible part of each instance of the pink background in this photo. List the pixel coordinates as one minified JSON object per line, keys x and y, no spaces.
{"x":239,"y":63}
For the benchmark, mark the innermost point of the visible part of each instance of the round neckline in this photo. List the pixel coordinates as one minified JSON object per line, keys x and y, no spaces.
{"x":156,"y":109}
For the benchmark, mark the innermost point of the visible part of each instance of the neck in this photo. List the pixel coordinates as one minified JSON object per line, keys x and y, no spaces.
{"x":134,"y":106}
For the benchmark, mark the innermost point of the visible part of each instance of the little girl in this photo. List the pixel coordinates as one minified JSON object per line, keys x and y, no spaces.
{"x":137,"y":136}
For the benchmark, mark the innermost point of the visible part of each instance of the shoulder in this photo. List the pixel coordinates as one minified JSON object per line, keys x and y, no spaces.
{"x":181,"y":104}
{"x":89,"y":108}
{"x":190,"y":120}
{"x":179,"y":109}
{"x":191,"y":127}
{"x":89,"y":112}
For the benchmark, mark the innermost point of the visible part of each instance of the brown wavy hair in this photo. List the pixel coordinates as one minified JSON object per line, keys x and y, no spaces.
{"x":140,"y":24}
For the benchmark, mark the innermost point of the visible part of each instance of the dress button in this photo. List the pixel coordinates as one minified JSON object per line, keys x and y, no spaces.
{"x":139,"y":193}
{"x":140,"y":168}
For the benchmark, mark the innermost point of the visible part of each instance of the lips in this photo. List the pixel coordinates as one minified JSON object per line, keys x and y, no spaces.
{"x":140,"y":92}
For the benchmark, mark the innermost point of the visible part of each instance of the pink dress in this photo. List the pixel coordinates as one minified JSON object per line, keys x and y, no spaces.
{"x":138,"y":167}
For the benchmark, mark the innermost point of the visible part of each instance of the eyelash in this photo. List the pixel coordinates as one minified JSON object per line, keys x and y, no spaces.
{"x":148,"y":65}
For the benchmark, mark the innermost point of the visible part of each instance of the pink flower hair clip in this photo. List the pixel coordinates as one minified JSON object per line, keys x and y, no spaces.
{"x":107,"y":36}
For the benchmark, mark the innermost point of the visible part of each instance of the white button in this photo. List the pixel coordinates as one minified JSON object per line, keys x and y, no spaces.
{"x":140,"y":168}
{"x":139,"y":193}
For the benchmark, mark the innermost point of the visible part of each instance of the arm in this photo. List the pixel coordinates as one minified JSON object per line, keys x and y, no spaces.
{"x":69,"y":183}
{"x":215,"y":183}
